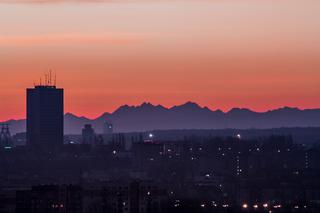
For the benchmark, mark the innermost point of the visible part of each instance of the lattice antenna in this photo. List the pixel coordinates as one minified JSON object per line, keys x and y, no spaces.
{"x":50,"y":78}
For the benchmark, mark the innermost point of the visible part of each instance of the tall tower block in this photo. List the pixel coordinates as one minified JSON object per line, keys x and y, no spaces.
{"x":45,"y":110}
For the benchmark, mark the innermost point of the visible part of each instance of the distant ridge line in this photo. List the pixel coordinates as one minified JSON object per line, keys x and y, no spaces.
{"x":190,"y":115}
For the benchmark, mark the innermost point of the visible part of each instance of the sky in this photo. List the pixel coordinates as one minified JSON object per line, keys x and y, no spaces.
{"x":222,"y":54}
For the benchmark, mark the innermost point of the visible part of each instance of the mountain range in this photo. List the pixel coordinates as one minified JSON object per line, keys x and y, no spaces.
{"x":190,"y":115}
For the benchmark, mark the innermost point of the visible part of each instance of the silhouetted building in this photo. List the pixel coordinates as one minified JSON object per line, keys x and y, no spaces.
{"x":107,"y":133}
{"x":5,"y":136}
{"x":146,"y":153}
{"x":7,"y":199}
{"x":50,"y":198}
{"x":107,"y":128}
{"x":45,"y":117}
{"x":133,"y":197}
{"x":118,"y":141}
{"x":88,"y":135}
{"x":19,"y":139}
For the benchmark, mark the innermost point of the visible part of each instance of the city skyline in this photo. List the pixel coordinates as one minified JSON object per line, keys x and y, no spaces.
{"x":220,"y":54}
{"x":159,"y":106}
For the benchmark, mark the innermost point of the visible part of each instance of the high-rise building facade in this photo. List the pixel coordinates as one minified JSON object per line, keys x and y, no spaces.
{"x":108,"y":128}
{"x":45,"y":106}
{"x":88,"y":135}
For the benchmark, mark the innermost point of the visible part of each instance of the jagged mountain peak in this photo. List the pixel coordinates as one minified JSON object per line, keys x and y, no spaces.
{"x":71,"y":115}
{"x":146,"y":104}
{"x":188,"y":106}
{"x":286,"y":109}
{"x":238,"y":110}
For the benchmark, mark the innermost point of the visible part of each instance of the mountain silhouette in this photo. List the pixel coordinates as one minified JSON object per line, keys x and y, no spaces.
{"x":186,"y":116}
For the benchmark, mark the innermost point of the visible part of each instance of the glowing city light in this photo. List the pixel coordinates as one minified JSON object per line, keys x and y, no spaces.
{"x":277,"y":206}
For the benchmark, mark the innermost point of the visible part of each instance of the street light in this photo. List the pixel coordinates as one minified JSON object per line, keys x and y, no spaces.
{"x":245,"y":206}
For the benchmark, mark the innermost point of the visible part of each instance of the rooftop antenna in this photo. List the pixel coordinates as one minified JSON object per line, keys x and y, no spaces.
{"x":50,"y":78}
{"x":55,"y":79}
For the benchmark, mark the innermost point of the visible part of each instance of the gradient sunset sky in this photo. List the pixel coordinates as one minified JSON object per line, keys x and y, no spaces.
{"x":258,"y":54}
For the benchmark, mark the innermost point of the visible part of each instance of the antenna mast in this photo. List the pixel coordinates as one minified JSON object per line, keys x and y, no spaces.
{"x":50,"y":79}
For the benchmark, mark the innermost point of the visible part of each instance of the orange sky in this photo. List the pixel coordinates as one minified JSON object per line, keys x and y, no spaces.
{"x":219,"y":53}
